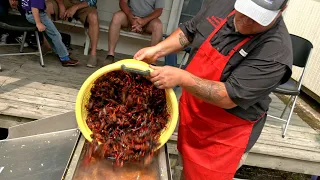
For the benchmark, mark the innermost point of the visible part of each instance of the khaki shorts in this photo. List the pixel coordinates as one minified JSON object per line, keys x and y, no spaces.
{"x":81,"y":14}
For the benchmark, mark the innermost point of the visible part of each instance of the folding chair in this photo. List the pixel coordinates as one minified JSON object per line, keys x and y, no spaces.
{"x":301,"y":54}
{"x":19,"y":23}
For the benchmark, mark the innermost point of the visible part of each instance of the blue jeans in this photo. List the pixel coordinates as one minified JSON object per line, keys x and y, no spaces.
{"x":51,"y":33}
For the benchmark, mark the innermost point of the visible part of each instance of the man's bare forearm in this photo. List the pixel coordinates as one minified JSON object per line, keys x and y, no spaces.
{"x":125,"y":8}
{"x":155,"y":14}
{"x":36,"y":16}
{"x":212,"y":92}
{"x":175,"y":42}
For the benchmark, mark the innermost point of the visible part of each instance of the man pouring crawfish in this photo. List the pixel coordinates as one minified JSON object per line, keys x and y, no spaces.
{"x":241,"y":51}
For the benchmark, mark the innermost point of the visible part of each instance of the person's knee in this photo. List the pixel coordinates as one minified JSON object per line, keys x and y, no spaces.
{"x":118,"y":18}
{"x":93,"y":18}
{"x":157,"y":26}
{"x":50,"y":8}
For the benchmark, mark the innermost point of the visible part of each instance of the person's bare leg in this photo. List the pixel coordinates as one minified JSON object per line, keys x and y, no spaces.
{"x":155,"y":29}
{"x":93,"y":22}
{"x":119,"y":20}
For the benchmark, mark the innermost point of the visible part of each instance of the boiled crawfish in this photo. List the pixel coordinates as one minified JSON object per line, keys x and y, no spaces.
{"x":126,"y":113}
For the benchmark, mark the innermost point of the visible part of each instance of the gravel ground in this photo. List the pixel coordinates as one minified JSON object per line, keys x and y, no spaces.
{"x":255,"y":173}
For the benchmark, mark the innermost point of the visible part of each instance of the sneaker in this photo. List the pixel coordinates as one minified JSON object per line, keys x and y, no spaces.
{"x":110,"y":58}
{"x":19,"y":40}
{"x":71,"y":62}
{"x":92,"y":61}
{"x":3,"y":39}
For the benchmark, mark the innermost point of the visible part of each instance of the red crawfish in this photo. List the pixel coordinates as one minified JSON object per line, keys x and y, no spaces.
{"x":126,"y":113}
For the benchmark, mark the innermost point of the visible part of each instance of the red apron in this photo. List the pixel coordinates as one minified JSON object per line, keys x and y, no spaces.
{"x":210,"y":140}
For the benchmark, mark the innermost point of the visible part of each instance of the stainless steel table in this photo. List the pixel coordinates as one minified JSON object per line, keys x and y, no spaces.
{"x":50,"y":149}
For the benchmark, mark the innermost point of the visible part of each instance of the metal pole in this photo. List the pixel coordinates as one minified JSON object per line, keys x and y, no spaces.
{"x":39,"y":48}
{"x":23,"y":41}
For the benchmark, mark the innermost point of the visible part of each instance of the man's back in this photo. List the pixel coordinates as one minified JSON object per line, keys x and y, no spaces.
{"x":143,"y":8}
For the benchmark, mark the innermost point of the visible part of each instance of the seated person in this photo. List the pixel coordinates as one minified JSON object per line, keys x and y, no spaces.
{"x":5,"y":7}
{"x":35,"y":13}
{"x":138,"y":16}
{"x":86,"y":12}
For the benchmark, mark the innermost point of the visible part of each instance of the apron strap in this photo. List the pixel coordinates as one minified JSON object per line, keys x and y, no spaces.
{"x":239,"y":45}
{"x":219,"y":26}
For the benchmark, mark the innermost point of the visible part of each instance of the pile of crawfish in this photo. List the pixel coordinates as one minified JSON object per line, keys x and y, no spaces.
{"x":126,"y":114}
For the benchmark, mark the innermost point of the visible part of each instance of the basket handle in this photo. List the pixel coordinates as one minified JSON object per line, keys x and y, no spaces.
{"x":144,"y":73}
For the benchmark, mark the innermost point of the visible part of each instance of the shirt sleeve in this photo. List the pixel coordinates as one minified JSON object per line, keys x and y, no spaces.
{"x":159,"y":4}
{"x":258,"y":75}
{"x":39,"y":4}
{"x":189,"y":27}
{"x":92,"y":2}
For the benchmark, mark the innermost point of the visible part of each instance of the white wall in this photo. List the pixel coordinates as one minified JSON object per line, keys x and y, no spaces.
{"x":302,"y":19}
{"x":126,"y":45}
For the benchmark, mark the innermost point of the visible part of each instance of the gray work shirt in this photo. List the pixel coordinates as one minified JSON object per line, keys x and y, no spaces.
{"x":249,"y":80}
{"x":143,"y":8}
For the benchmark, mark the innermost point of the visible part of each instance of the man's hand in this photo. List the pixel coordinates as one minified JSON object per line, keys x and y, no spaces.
{"x":140,"y":21}
{"x":41,"y":27}
{"x":167,"y":76}
{"x":148,"y":54}
{"x":175,"y":42}
{"x":70,"y":12}
{"x":62,"y":11}
{"x":137,"y":24}
{"x":137,"y":28}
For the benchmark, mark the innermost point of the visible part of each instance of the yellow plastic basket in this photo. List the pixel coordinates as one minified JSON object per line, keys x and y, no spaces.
{"x":85,"y":93}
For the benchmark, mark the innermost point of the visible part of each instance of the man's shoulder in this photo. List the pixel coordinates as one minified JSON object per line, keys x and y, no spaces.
{"x":274,"y":45}
{"x":278,"y":36}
